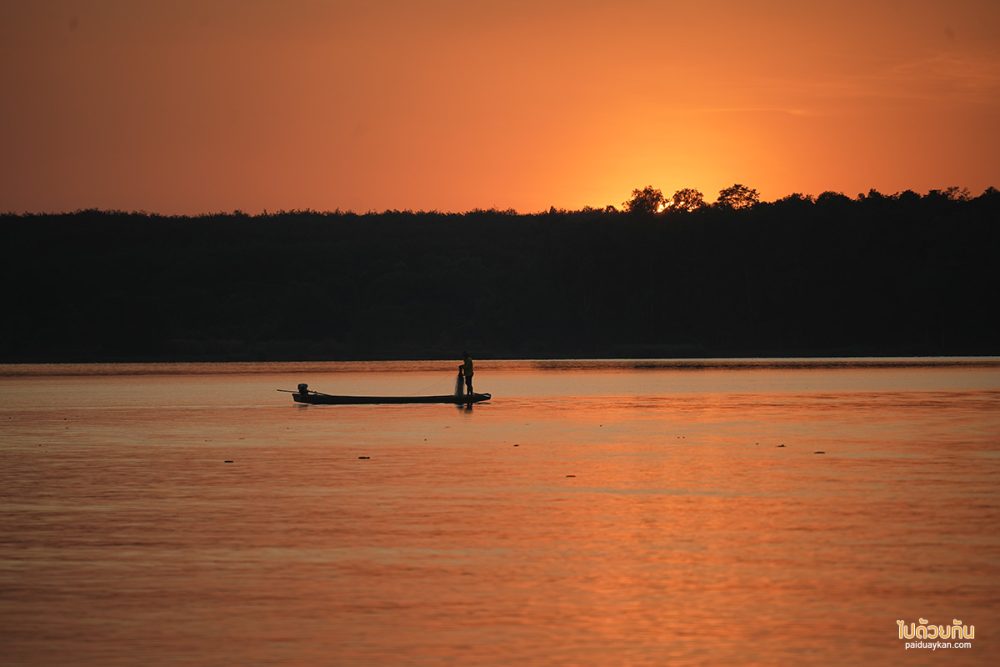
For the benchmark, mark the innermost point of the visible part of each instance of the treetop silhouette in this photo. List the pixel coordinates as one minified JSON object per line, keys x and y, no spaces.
{"x":738,"y":196}
{"x":687,"y":200}
{"x":646,"y":201}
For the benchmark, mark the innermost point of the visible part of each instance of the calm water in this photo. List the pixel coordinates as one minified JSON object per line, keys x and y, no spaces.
{"x":591,"y":514}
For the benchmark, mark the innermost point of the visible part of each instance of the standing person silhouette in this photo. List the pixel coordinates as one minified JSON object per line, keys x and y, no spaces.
{"x":467,"y":370}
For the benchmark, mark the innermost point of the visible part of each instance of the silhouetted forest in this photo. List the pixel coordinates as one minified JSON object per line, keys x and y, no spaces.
{"x":905,"y":274}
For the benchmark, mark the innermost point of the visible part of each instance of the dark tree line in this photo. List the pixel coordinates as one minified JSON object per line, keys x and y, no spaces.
{"x":831,"y":275}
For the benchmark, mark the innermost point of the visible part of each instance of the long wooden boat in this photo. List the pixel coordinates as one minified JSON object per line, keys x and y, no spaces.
{"x":314,"y":398}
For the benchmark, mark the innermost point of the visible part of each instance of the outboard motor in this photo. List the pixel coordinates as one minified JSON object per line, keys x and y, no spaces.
{"x":303,"y":389}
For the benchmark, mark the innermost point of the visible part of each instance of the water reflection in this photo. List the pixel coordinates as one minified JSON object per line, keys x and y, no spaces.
{"x":585,"y":517}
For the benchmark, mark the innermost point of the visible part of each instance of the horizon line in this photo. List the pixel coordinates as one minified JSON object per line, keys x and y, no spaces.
{"x":953,"y":193}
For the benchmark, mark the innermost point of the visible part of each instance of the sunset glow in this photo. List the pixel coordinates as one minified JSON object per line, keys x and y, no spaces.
{"x":186,"y":107}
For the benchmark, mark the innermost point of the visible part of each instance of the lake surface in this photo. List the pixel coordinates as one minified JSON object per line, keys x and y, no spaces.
{"x":593,"y":513}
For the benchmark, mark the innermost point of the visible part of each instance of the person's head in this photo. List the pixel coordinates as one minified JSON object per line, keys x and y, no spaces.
{"x":465,"y":355}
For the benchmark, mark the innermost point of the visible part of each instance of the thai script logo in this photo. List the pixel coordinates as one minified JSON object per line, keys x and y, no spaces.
{"x":933,"y":637}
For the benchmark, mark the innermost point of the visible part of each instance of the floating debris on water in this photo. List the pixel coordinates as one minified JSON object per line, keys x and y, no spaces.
{"x":571,"y":475}
{"x":819,"y":452}
{"x":364,"y":457}
{"x":780,"y":445}
{"x":228,"y":461}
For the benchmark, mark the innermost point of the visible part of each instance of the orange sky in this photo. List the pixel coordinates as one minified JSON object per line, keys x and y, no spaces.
{"x":182,"y":106}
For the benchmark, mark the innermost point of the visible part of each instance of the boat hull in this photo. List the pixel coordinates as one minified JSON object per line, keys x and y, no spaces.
{"x":326,"y":399}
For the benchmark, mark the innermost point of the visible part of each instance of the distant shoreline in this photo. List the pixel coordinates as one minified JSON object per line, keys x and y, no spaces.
{"x":485,"y":365}
{"x":688,"y":360}
{"x":236,"y":351}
